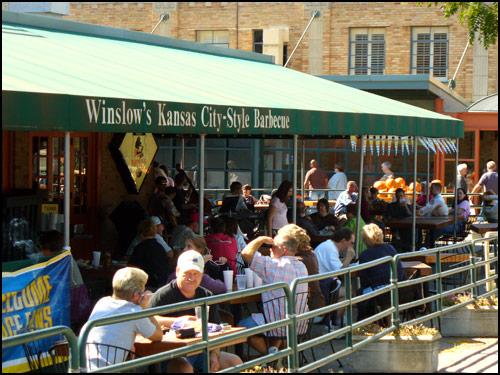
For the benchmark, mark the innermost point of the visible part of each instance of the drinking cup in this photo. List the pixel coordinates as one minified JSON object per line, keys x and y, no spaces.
{"x":249,"y":274}
{"x":241,"y":281}
{"x":228,"y":279}
{"x":96,"y":258}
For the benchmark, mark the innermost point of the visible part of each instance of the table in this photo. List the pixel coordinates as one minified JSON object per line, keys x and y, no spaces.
{"x":482,"y":228}
{"x":145,"y":347}
{"x":420,"y":267}
{"x":421,"y":222}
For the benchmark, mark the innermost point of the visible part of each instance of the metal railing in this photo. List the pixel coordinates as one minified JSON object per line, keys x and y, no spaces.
{"x":293,"y":348}
{"x":25,"y":338}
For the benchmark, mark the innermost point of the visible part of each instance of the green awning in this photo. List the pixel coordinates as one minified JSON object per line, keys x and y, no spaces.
{"x":61,"y":75}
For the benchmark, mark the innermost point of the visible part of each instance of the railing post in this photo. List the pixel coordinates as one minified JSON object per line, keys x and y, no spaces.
{"x":395,"y":292}
{"x":348,"y":293}
{"x":439,"y":286}
{"x":472,"y":271}
{"x":292,"y":329}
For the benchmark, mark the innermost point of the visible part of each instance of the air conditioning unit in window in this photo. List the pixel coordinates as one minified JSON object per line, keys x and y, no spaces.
{"x":273,"y":40}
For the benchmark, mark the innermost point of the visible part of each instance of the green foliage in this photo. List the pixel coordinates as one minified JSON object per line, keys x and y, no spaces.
{"x":480,"y":17}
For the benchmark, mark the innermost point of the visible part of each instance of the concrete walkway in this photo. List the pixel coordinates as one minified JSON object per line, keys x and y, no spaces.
{"x":457,"y":355}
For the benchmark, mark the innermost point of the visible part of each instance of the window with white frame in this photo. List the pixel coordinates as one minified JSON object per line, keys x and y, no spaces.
{"x":218,"y":38}
{"x":367,"y":51}
{"x":430,"y":51}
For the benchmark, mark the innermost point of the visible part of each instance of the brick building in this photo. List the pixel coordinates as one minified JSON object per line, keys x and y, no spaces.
{"x":399,"y":50}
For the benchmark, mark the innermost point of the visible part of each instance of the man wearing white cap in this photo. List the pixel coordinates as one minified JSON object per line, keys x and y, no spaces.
{"x":186,"y":287}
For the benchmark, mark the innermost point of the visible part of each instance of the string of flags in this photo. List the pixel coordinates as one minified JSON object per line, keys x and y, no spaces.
{"x":385,"y":144}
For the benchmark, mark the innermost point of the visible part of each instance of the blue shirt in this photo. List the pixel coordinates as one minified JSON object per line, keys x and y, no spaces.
{"x":343,"y":200}
{"x":378,"y":275}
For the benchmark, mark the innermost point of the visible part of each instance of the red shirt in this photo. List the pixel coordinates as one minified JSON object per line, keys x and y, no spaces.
{"x":225,"y":246}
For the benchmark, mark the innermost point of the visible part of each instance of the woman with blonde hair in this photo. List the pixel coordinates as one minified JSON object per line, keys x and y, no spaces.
{"x":306,"y":255}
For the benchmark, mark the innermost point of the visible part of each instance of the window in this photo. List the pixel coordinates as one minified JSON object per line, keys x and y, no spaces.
{"x":285,"y":53}
{"x":430,"y":51}
{"x":258,"y":41}
{"x":218,"y":38}
{"x":367,"y":51}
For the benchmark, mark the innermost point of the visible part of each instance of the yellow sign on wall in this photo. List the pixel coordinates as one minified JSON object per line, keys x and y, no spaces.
{"x":138,"y":151}
{"x":50,"y":208}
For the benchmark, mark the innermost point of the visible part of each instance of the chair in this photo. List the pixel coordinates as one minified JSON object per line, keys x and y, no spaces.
{"x":333,"y":297}
{"x":102,"y":355}
{"x":54,"y":360}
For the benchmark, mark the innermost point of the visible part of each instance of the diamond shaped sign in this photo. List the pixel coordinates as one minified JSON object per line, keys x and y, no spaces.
{"x":138,"y":152}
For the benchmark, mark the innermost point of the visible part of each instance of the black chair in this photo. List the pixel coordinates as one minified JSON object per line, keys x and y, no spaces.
{"x":53,"y":360}
{"x":102,"y":355}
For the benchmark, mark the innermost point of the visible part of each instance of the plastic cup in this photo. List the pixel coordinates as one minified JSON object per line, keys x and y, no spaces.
{"x":249,"y":275}
{"x":197,"y":311}
{"x":241,"y":281}
{"x":96,"y":258}
{"x":257,"y":281}
{"x":228,"y":279}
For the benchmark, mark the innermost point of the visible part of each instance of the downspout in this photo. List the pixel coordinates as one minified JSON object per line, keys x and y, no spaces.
{"x":237,"y":25}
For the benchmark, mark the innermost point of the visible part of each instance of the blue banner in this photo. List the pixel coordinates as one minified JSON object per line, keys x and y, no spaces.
{"x":34,"y":298}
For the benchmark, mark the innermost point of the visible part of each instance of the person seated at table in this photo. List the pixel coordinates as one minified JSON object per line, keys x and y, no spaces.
{"x":234,"y":202}
{"x":212,"y":276}
{"x":129,"y":295}
{"x":186,"y":287}
{"x":248,"y":198}
{"x":323,"y":220}
{"x":160,"y":228}
{"x":345,"y":198}
{"x":221,"y":244}
{"x":375,"y":277}
{"x":376,"y":208}
{"x":489,"y":209}
{"x":437,"y":205}
{"x":233,"y":229}
{"x":400,"y":209}
{"x":351,"y":214}
{"x":281,"y":266}
{"x":463,"y":213}
{"x":307,"y":256}
{"x":150,"y":256}
{"x":334,"y":254}
{"x":306,"y":223}
{"x":184,"y":231}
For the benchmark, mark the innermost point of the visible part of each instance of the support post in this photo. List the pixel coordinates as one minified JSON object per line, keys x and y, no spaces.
{"x":182,"y":152}
{"x":67,"y":187}
{"x":414,"y":208}
{"x":428,"y":185}
{"x":302,"y":168}
{"x":295,"y":165}
{"x":360,"y":190}
{"x":455,"y":211}
{"x":201,"y":182}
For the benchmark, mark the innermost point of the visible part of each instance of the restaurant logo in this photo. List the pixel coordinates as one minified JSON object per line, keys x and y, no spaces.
{"x":208,"y":118}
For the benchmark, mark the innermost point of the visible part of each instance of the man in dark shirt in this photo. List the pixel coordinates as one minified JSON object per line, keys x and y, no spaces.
{"x":186,"y":287}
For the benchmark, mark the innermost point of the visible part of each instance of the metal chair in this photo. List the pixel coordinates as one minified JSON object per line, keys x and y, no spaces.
{"x":102,"y":355}
{"x":53,"y":360}
{"x":333,"y":297}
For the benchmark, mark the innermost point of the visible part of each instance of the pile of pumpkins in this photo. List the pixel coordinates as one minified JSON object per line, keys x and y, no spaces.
{"x":391,"y":184}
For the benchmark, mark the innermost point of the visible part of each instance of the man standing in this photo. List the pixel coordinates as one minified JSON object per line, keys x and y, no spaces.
{"x":347,"y":197}
{"x":461,"y":179}
{"x":386,"y":168}
{"x":489,"y":180}
{"x":315,"y":178}
{"x":186,"y":287}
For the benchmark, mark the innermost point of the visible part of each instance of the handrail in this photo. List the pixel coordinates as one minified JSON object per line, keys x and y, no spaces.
{"x":24,"y":338}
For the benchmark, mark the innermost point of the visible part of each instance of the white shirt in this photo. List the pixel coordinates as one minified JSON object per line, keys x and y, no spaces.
{"x":328,"y":257}
{"x":120,"y":334}
{"x":279,"y":219}
{"x":339,"y":182}
{"x":435,"y":207}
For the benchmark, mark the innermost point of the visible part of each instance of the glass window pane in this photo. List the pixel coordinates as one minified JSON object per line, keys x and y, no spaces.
{"x":215,"y":142}
{"x":240,"y":159}
{"x":204,"y":37}
{"x":235,"y":142}
{"x":215,"y":159}
{"x":466,"y":146}
{"x":215,"y":180}
{"x":221,"y":37}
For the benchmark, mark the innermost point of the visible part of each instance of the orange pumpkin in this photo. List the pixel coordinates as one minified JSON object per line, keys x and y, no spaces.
{"x":400,"y":182}
{"x":390,"y":183}
{"x":380,"y":185}
{"x":393,"y":190}
{"x":418,"y":187}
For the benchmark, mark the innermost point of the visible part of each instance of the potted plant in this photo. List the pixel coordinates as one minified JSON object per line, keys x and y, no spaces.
{"x":477,"y":319}
{"x":265,"y":369}
{"x":408,"y":349}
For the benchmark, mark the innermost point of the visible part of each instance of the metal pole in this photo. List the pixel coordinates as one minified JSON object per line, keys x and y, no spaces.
{"x":315,"y":14}
{"x":360,"y":190}
{"x":302,"y":168}
{"x":67,"y":186}
{"x":452,"y":81}
{"x":455,"y":211}
{"x":295,"y":164}
{"x":182,"y":153}
{"x":165,"y":17}
{"x":414,"y":216}
{"x":428,"y":186}
{"x":202,"y":181}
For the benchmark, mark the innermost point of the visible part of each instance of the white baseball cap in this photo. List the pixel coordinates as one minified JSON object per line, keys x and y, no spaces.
{"x":190,"y":260}
{"x":156,"y":220}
